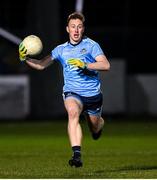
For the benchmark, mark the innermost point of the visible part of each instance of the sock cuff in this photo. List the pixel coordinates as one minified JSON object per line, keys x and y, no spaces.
{"x":76,"y":148}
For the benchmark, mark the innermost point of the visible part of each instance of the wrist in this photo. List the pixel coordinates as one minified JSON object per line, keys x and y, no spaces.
{"x":22,"y":59}
{"x":85,"y":66}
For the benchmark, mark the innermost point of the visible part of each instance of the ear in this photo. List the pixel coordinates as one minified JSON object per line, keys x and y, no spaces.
{"x":67,"y":29}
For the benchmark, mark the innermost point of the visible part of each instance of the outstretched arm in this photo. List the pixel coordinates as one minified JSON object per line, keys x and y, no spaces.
{"x":40,"y":64}
{"x":34,"y":63}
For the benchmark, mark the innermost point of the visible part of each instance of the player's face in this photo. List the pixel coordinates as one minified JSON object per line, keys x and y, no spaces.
{"x":75,"y":29}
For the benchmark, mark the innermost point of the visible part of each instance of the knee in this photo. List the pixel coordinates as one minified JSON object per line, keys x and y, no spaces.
{"x":73,"y":113}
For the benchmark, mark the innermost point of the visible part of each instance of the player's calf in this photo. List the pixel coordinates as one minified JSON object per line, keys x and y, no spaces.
{"x":98,"y":133}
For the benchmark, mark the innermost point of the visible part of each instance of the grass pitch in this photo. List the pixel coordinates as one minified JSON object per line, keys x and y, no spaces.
{"x":42,"y":150}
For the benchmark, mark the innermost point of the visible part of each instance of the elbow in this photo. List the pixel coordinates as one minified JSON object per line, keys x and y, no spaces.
{"x":41,"y":68}
{"x":107,"y":67}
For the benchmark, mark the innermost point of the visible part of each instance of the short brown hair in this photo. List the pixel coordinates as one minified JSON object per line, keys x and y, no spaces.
{"x":76,"y":15}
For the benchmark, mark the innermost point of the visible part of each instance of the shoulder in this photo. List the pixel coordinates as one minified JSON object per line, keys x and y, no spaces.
{"x":93,"y":47}
{"x":89,"y":40}
{"x":61,"y":46}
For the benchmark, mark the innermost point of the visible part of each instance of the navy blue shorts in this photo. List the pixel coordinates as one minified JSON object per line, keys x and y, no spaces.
{"x":91,"y":105}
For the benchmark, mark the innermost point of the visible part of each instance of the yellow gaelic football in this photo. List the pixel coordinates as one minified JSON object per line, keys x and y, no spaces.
{"x":33,"y":44}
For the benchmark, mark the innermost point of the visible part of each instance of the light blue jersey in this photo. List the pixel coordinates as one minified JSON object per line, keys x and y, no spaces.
{"x":85,"y":83}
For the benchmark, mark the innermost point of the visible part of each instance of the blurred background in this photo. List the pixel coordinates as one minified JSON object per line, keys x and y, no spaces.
{"x":126,"y":31}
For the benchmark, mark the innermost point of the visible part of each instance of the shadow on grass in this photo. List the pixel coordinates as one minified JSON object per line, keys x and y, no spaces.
{"x":134,"y":168}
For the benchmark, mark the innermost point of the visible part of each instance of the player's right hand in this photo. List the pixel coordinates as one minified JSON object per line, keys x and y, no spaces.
{"x":22,"y":52}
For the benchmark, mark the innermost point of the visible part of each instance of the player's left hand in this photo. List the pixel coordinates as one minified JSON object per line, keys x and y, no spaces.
{"x":77,"y":63}
{"x":22,"y":52}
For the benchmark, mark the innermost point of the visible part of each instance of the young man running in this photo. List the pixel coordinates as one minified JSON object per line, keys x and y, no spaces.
{"x":82,"y":58}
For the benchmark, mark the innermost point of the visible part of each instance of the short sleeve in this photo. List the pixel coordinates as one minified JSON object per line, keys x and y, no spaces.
{"x":96,"y":50}
{"x":55,"y":54}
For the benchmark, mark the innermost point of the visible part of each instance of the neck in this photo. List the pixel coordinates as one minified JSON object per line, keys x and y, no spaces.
{"x":74,"y":43}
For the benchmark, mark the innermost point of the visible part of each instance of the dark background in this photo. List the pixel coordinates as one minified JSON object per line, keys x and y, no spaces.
{"x":125,"y":29}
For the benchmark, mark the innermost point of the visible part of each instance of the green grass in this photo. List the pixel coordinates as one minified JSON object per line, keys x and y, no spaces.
{"x":42,"y":150}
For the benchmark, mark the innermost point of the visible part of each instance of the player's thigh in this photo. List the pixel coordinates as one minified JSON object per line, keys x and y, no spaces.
{"x":73,"y":105}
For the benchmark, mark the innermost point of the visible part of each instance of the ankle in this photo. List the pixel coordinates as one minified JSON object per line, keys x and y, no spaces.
{"x":76,"y":151}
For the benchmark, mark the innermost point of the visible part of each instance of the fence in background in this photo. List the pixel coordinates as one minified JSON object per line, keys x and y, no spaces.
{"x":14,"y":97}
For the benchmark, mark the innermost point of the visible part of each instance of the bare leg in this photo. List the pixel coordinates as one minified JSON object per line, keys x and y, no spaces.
{"x":95,"y":124}
{"x":74,"y":109}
